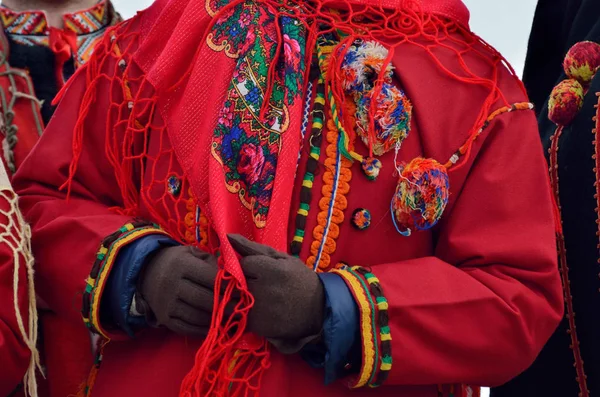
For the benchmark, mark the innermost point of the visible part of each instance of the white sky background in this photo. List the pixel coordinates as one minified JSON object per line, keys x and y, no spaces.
{"x":504,"y":24}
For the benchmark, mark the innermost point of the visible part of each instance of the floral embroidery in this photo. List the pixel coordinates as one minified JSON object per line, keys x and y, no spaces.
{"x":246,"y":144}
{"x":233,"y":30}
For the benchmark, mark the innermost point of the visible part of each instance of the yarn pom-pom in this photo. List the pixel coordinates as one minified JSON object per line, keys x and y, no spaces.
{"x":421,"y":195}
{"x":582,"y":61}
{"x":362,"y":65}
{"x":371,"y":167}
{"x":393,"y":112}
{"x":565,"y":102}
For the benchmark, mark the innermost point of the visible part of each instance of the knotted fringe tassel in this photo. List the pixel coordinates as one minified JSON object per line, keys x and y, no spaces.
{"x":229,"y":362}
{"x":17,"y":236}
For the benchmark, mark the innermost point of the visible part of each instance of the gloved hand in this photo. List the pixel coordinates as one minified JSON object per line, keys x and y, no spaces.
{"x":289,"y":297}
{"x":177,"y":285}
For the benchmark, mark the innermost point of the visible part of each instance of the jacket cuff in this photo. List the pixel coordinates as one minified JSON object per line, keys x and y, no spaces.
{"x":339,"y":346}
{"x":117,"y":300}
{"x":105,"y":261}
{"x":375,"y":336}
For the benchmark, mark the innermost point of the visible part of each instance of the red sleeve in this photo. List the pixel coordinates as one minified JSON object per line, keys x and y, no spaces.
{"x":480,"y":310}
{"x":14,"y":353}
{"x":67,"y":233}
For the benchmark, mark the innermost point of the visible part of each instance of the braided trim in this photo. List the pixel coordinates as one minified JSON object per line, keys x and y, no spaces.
{"x":311,"y":167}
{"x":466,"y":147}
{"x":366,"y":307}
{"x":564,"y":269}
{"x":336,"y":184}
{"x":105,"y":259}
{"x":385,"y":337}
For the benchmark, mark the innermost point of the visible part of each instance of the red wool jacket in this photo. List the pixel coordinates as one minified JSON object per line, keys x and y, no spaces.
{"x":471,"y":301}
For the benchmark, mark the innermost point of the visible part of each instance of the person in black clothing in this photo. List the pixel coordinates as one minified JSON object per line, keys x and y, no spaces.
{"x":564,"y":53}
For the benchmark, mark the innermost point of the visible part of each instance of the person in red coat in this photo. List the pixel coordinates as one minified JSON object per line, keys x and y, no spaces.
{"x":18,"y":315}
{"x":281,"y":198}
{"x":42,"y":43}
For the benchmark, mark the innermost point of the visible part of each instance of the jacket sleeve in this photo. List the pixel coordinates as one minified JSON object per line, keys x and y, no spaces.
{"x":480,"y":309}
{"x":75,"y":240}
{"x":118,"y":302}
{"x":338,"y":349}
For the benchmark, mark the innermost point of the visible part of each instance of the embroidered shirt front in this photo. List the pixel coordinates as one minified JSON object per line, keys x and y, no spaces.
{"x":31,"y":27}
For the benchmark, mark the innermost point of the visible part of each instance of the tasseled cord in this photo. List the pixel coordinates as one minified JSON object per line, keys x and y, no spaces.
{"x":17,"y":236}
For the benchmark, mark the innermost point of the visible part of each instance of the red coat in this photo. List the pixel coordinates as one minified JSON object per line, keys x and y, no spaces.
{"x":471,"y":301}
{"x":21,"y":117}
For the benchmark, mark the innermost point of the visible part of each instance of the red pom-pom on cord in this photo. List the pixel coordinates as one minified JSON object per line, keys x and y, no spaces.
{"x":565,"y":102}
{"x":582,"y":61}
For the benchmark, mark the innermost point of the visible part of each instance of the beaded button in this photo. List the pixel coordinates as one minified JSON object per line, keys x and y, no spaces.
{"x":361,"y":218}
{"x":174,"y":185}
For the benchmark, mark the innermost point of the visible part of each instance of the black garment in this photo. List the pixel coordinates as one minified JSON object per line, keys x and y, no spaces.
{"x":556,"y":28}
{"x":39,"y":61}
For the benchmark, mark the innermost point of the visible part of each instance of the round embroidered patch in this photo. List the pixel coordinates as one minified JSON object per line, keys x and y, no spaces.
{"x":361,"y":218}
{"x":174,"y":185}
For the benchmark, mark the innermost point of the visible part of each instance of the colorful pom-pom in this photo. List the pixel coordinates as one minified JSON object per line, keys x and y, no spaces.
{"x":362,"y":65}
{"x":371,"y":167}
{"x":393,"y":112}
{"x":565,"y":102}
{"x":582,"y":61}
{"x":361,"y":218}
{"x":421,"y":195}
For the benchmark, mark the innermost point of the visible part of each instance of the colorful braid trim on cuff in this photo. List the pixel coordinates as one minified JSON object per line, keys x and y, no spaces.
{"x":105,"y":259}
{"x":374,"y":326}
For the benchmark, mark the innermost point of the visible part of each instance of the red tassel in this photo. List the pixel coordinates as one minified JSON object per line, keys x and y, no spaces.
{"x":229,"y":362}
{"x":63,"y":44}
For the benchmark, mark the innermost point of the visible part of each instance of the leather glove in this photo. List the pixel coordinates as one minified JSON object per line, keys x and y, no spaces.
{"x":177,"y":285}
{"x":289,"y":297}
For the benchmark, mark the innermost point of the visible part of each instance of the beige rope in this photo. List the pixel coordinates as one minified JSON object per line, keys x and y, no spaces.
{"x":16,"y":235}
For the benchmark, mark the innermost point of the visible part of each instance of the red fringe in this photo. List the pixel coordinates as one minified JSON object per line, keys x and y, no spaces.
{"x":227,"y":352}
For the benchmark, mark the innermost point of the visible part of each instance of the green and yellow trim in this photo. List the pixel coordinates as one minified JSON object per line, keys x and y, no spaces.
{"x":385,"y":336}
{"x":105,"y":259}
{"x":367,"y":326}
{"x":376,"y":335}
